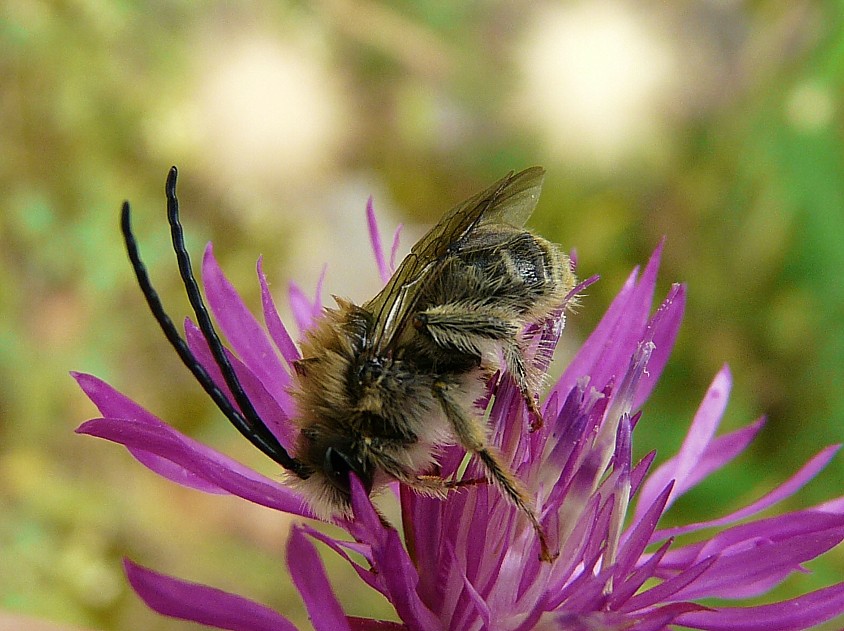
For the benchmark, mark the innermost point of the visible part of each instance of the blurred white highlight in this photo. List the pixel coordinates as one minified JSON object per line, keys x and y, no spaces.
{"x":596,"y":80}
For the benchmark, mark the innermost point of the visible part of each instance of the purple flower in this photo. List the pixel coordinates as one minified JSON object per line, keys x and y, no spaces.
{"x":469,"y":561}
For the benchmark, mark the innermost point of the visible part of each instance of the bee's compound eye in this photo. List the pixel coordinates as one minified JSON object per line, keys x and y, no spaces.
{"x":337,"y":467}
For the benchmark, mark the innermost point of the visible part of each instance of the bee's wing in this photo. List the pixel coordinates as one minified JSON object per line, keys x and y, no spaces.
{"x":510,"y":200}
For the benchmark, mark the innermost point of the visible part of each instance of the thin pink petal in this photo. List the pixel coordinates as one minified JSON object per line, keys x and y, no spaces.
{"x":598,"y":342}
{"x":785,"y":490}
{"x":375,"y":241}
{"x":796,"y":614}
{"x":754,"y":557}
{"x":365,"y":624}
{"x":390,"y":559}
{"x":606,"y":353}
{"x":308,"y":575}
{"x":248,"y":338}
{"x":199,"y":603}
{"x":700,"y":434}
{"x":175,"y":456}
{"x":275,"y":413}
{"x":665,"y":590}
{"x":283,"y":342}
{"x":394,"y":250}
{"x":343,"y":548}
{"x":832,"y":506}
{"x":316,"y":307}
{"x":305,"y":310}
{"x":204,"y":468}
{"x":722,"y":451}
{"x":111,"y":402}
{"x":662,"y":331}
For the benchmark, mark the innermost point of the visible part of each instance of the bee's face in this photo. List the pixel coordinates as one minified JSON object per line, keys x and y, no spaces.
{"x":331,"y":460}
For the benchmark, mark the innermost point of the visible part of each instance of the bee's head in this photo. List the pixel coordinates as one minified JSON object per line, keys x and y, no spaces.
{"x":330,"y":460}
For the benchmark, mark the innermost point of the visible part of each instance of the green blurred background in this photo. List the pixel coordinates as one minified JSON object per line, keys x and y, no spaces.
{"x":717,"y":124}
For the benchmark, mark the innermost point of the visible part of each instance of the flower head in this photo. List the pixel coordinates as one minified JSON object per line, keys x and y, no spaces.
{"x":469,"y":561}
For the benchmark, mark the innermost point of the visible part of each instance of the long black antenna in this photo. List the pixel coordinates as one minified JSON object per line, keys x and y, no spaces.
{"x":248,"y":422}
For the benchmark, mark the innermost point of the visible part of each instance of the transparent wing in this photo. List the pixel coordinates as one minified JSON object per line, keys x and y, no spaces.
{"x":510,"y":200}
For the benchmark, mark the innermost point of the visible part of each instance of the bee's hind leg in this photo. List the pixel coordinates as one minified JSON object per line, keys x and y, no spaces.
{"x":457,"y":327}
{"x":425,"y":484}
{"x":471,"y":435}
{"x":438,"y":486}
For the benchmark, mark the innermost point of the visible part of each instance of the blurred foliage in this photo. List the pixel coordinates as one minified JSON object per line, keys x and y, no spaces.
{"x":718,"y":125}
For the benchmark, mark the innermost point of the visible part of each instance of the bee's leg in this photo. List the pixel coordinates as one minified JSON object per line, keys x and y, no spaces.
{"x":471,"y":435}
{"x":514,"y":359}
{"x":435,"y":486}
{"x":430,"y":485}
{"x":448,"y":485}
{"x":467,"y":330}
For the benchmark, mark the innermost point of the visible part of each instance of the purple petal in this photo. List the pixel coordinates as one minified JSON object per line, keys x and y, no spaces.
{"x":723,"y":450}
{"x":585,"y":592}
{"x":666,"y":590}
{"x":785,"y":490}
{"x":754,"y":557}
{"x":607,"y":351}
{"x":375,"y":241}
{"x":832,"y":506}
{"x":248,"y":339}
{"x":659,"y":619}
{"x":796,"y":614}
{"x":114,"y":404}
{"x":305,"y":311}
{"x":640,"y":471}
{"x":206,"y":469}
{"x":272,"y":411}
{"x":199,"y":603}
{"x":283,"y":342}
{"x":342,"y":547}
{"x":704,"y":425}
{"x":475,"y":607}
{"x":638,"y":536}
{"x":394,"y":250}
{"x":626,"y":586}
{"x":662,"y":331}
{"x":630,"y":332}
{"x":367,"y":525}
{"x":177,"y":457}
{"x":301,"y":307}
{"x":598,"y":342}
{"x":572,"y":555}
{"x":391,"y":560}
{"x":423,"y":523}
{"x":308,"y":575}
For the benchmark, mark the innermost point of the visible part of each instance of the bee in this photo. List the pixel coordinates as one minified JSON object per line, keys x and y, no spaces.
{"x":381,"y":387}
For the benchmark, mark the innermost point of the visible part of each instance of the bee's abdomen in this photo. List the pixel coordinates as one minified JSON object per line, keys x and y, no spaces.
{"x":511,"y":270}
